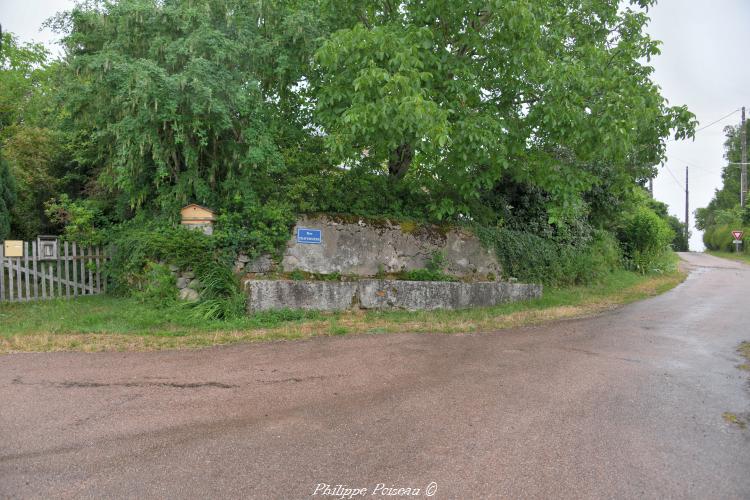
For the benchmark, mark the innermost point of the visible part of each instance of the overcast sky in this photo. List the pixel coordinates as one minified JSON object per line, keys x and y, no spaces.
{"x":701,"y":65}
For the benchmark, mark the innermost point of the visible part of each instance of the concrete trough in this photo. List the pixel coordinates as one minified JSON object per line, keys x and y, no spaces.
{"x":264,"y":295}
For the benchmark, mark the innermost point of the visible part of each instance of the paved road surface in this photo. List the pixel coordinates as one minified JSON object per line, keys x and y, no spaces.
{"x":626,"y":404}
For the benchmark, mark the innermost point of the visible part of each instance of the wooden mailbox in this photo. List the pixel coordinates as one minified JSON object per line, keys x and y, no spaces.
{"x":13,"y":248}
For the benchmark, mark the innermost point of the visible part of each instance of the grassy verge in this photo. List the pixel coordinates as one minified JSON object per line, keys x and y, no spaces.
{"x":112,"y":324}
{"x":742,"y":257}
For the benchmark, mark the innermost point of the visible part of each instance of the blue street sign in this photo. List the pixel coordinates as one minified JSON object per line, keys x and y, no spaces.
{"x":309,"y":236}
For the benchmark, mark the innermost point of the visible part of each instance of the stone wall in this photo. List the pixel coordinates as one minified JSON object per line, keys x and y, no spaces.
{"x":382,"y":294}
{"x":364,"y":248}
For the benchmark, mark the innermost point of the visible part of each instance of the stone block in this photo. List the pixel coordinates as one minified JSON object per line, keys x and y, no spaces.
{"x":431,"y":295}
{"x":262,"y":264}
{"x":266,"y":295}
{"x":189,"y":295}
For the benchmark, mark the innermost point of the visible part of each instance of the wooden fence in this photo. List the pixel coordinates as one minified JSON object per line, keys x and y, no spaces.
{"x":75,"y":271}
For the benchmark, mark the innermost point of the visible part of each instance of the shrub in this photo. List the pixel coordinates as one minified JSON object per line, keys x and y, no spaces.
{"x":532,"y":258}
{"x":254,"y":228}
{"x":157,"y":286}
{"x":719,"y":237}
{"x":80,"y":219}
{"x":599,"y":257}
{"x":134,"y":245}
{"x":645,"y":238}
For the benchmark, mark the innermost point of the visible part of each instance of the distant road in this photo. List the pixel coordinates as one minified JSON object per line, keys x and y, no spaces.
{"x":627,"y":404}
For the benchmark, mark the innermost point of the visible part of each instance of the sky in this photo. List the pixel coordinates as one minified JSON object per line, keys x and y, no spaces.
{"x":701,"y":65}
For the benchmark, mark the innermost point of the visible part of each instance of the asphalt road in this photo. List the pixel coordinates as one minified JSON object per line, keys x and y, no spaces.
{"x":626,"y":404}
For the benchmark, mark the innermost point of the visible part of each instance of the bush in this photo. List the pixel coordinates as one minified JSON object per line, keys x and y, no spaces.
{"x":140,"y":258}
{"x":531,"y":258}
{"x":134,"y":245}
{"x":157,"y":286}
{"x":79,"y":219}
{"x":254,"y":228}
{"x":719,"y":237}
{"x":645,"y":238}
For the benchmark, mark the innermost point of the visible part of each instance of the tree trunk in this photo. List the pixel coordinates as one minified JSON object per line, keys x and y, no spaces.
{"x":400,"y":160}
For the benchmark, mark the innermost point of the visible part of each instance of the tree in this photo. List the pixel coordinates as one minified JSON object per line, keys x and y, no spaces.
{"x":23,"y":80}
{"x":176,"y":97}
{"x":457,"y":95}
{"x":7,"y":198}
{"x":725,"y":203}
{"x":462,"y":111}
{"x":32,"y":146}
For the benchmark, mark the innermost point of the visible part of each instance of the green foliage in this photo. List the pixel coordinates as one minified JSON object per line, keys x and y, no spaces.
{"x":254,"y":228}
{"x":531,"y":258}
{"x":142,"y":253}
{"x":180,"y":100}
{"x":433,"y":270}
{"x":22,"y":78}
{"x":680,"y":242}
{"x":645,"y":238}
{"x":719,"y":237}
{"x":33,"y":147}
{"x":457,"y":95}
{"x":221,"y":297}
{"x":157,"y":286}
{"x":134,"y":245}
{"x":724,"y":213}
{"x":436,"y":262}
{"x":535,"y":117}
{"x":80,"y":220}
{"x":7,"y":198}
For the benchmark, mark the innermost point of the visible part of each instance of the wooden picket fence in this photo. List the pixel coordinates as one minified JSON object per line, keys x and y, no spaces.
{"x":75,"y":271}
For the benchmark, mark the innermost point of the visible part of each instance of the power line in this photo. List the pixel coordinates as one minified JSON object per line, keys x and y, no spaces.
{"x":712,"y":123}
{"x":673,"y":177}
{"x":699,"y":167}
{"x":717,"y":121}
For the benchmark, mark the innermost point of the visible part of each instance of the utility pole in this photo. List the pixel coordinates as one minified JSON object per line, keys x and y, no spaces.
{"x":651,"y":187}
{"x":743,"y":161}
{"x":687,"y":217}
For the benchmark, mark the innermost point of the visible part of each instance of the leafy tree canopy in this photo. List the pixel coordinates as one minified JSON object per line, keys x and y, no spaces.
{"x":7,"y":198}
{"x":532,"y":115}
{"x":459,"y":94}
{"x":724,"y":207}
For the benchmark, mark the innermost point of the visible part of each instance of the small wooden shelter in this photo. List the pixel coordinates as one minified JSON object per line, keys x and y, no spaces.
{"x":197,"y":217}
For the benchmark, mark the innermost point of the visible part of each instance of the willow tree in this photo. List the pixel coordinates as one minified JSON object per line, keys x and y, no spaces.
{"x":456,"y":95}
{"x":178,"y":100}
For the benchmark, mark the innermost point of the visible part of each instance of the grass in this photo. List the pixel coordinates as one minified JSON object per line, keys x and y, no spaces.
{"x":744,"y":351}
{"x":114,"y":324}
{"x":742,"y":257}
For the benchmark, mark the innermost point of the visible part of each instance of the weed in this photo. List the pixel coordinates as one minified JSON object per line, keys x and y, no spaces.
{"x":734,"y":419}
